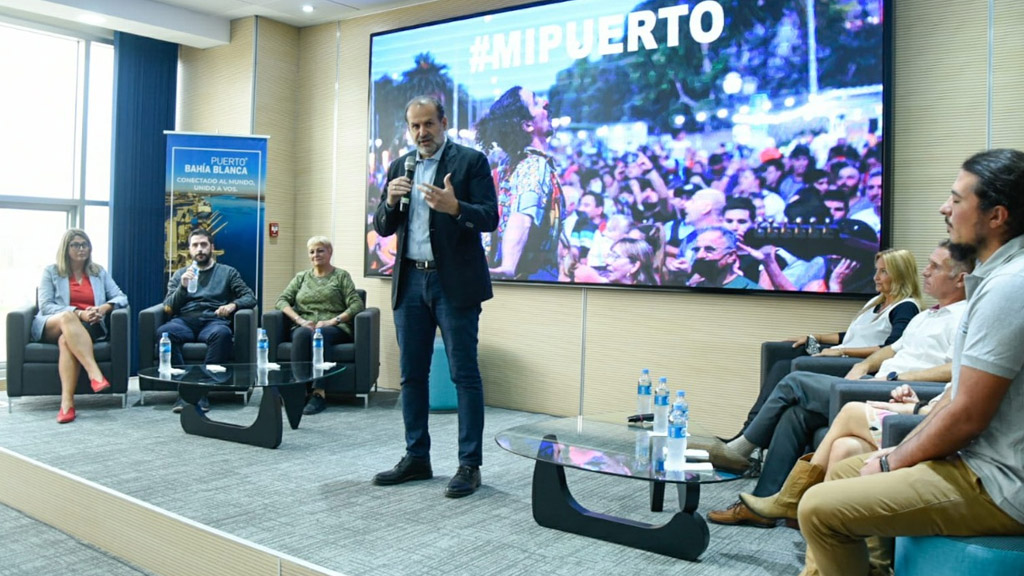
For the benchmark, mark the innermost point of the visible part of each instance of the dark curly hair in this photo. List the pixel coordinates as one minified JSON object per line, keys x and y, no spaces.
{"x":503,"y":126}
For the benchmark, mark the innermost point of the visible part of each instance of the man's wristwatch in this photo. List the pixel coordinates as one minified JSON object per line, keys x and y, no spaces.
{"x":893,"y":376}
{"x":884,"y":463}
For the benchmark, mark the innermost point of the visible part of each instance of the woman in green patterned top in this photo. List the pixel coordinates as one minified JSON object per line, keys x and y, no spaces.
{"x":324,"y":297}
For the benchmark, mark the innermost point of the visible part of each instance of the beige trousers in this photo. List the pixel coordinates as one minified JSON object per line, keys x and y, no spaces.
{"x":849,"y":518}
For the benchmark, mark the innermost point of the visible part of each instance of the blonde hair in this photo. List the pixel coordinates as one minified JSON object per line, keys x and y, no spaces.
{"x":638,"y":251}
{"x":319,"y":240}
{"x":64,"y":259}
{"x":902,"y":269}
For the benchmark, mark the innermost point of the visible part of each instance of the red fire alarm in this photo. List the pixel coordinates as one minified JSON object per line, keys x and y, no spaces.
{"x":274,"y":229}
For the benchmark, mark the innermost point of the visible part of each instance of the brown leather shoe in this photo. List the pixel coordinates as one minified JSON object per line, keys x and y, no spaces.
{"x":739,"y":515}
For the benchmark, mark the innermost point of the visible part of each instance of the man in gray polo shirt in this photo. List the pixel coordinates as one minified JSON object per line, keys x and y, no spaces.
{"x":929,"y":484}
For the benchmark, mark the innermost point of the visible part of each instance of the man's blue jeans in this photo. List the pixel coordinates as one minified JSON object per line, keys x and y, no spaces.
{"x":213,"y":330}
{"x":422,"y":307}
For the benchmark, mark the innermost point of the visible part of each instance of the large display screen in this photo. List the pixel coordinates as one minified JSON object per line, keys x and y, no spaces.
{"x":715,"y":145}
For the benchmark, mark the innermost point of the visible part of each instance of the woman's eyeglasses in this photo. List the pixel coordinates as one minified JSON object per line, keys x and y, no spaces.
{"x":78,"y":245}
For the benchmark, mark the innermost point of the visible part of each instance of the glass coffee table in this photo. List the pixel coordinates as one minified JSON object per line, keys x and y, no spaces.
{"x":606,"y":444}
{"x":284,"y":385}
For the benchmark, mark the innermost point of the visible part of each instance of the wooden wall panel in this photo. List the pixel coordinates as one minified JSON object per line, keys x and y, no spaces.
{"x":1007,"y":80}
{"x":215,"y":84}
{"x":939,"y":113}
{"x":276,"y":102}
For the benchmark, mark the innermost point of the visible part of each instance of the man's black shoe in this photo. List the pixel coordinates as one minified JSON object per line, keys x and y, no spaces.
{"x":315,"y":405}
{"x":408,"y":469}
{"x":464,"y":483}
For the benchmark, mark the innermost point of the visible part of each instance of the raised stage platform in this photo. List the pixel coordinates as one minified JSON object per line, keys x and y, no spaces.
{"x":130,"y":482}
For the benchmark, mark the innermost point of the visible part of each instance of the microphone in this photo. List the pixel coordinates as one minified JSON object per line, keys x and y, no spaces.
{"x":410,"y":173}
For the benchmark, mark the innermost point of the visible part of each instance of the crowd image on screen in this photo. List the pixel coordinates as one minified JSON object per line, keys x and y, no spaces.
{"x":783,"y":216}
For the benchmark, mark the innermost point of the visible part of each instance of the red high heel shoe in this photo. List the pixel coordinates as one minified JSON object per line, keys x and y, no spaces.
{"x":65,"y":417}
{"x":99,"y":385}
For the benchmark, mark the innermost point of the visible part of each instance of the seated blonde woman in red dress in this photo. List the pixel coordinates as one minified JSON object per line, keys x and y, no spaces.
{"x":75,"y":295}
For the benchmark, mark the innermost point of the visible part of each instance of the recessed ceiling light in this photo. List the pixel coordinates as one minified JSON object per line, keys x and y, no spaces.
{"x":307,"y":8}
{"x":91,"y":18}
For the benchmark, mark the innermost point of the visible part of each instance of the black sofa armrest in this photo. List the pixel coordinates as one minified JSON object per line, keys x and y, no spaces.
{"x":278,"y":327}
{"x":245,"y":335}
{"x":19,"y":333}
{"x":120,"y":349}
{"x":367,"y":337}
{"x":896,"y":427}
{"x":864,"y":390}
{"x":772,"y":352}
{"x":831,"y":365}
{"x":149,"y":320}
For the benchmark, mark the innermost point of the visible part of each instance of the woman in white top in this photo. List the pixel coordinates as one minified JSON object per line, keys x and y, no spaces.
{"x":883,"y":318}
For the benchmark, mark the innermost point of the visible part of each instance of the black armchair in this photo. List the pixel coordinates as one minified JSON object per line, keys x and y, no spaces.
{"x":361,"y":357}
{"x":776,"y":355}
{"x":32,"y":366}
{"x":894,"y":427}
{"x":194,"y":352}
{"x":862,"y":391}
{"x":780,"y":358}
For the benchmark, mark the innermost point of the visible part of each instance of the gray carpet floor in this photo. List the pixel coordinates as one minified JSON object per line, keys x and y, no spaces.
{"x":312,"y":497}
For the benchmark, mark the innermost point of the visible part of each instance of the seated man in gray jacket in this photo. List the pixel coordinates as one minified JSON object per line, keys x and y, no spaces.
{"x":203,"y":315}
{"x":799,"y":404}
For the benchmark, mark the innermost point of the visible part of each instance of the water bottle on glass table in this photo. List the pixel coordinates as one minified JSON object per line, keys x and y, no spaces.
{"x":318,"y":348}
{"x":193,"y":284}
{"x":262,"y":349}
{"x":678,"y":421}
{"x":643,"y":393}
{"x":165,"y":354}
{"x":661,"y":406}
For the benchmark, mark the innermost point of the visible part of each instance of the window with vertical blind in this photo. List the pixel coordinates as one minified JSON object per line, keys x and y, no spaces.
{"x":56,"y":111}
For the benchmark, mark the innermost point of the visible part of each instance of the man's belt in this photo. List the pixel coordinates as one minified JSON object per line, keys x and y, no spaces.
{"x":422,"y":264}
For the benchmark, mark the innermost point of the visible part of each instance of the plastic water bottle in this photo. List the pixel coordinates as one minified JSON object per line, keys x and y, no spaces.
{"x":642,"y":451}
{"x":661,"y":406}
{"x":657,"y":455}
{"x":318,"y":348}
{"x":678,"y":421}
{"x":165,"y":353}
{"x":643,"y":392}
{"x":193,"y":284}
{"x":262,"y":349}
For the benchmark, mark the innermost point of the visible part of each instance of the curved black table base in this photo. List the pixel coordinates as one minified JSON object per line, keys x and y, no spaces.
{"x":684,"y":536}
{"x":264,"y":432}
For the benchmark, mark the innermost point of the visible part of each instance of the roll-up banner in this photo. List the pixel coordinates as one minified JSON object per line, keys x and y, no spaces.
{"x":217,"y":182}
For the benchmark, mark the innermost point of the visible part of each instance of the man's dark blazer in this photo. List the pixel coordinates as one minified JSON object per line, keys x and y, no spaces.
{"x":459,"y":255}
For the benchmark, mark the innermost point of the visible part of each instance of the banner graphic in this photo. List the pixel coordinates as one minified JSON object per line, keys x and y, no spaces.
{"x":217,"y":182}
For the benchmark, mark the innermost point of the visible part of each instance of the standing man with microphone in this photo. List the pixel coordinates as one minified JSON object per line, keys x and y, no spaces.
{"x":439,"y":207}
